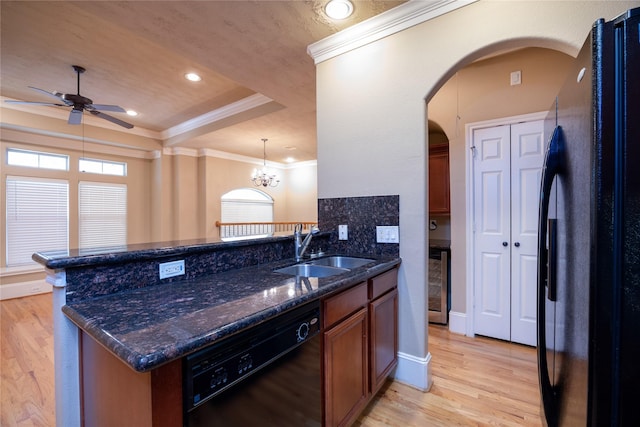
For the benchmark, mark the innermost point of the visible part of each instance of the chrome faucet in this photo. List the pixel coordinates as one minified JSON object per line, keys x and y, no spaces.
{"x":301,"y":245}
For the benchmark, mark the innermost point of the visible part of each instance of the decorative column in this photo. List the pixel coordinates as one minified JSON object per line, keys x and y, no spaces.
{"x":66,"y":355}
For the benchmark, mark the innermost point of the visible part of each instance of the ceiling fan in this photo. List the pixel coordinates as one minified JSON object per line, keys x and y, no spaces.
{"x":79,"y":104}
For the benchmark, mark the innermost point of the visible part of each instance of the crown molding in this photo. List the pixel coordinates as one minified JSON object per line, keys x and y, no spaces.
{"x":44,"y":137}
{"x":209,"y":152}
{"x":218,"y":114}
{"x":392,"y":21}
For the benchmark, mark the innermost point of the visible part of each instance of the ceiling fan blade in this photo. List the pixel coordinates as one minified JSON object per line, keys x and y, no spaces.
{"x":48,"y":104}
{"x":54,"y":94}
{"x":111,"y":119}
{"x":105,"y":107}
{"x":75,"y":117}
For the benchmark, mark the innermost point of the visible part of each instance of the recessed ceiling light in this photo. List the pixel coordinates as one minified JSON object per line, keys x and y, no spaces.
{"x":339,"y":9}
{"x":192,"y":77}
{"x":289,"y":160}
{"x":132,"y":113}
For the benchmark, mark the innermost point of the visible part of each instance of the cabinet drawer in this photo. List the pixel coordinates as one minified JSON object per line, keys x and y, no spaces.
{"x":382,"y":283}
{"x":340,"y":306}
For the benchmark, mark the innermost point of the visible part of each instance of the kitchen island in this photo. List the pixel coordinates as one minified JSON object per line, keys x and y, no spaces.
{"x":115,"y":298}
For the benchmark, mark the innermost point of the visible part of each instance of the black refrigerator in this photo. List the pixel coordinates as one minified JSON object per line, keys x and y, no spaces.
{"x":589,"y":236}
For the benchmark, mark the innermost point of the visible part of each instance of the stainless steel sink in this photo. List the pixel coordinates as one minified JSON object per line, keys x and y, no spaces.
{"x":311,"y":270}
{"x":341,"y":261}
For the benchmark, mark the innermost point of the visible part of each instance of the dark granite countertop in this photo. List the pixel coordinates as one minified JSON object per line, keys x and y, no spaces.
{"x":440,"y":243}
{"x":147,"y":251}
{"x":151,"y":326}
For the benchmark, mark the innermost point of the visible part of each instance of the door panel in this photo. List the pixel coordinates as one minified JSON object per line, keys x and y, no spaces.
{"x":491,"y":215}
{"x":507,"y":170}
{"x":527,"y":156}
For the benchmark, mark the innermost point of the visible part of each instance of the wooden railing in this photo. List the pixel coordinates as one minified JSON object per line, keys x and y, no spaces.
{"x":243,"y":229}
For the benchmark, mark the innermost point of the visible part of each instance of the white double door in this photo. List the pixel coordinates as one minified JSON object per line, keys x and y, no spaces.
{"x":507,"y":166}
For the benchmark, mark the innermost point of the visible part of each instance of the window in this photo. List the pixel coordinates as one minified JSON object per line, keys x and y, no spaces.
{"x":102,"y":215}
{"x":37,"y":218}
{"x":35,"y":159}
{"x":103,"y":167}
{"x":247,"y":205}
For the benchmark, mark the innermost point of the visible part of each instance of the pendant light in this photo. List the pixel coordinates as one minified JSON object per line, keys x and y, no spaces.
{"x":262,"y":177}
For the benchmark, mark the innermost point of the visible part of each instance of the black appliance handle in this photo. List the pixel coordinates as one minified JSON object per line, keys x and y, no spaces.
{"x":553,"y":162}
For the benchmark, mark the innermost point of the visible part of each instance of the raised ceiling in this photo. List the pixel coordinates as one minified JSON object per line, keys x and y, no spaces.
{"x":252,"y":56}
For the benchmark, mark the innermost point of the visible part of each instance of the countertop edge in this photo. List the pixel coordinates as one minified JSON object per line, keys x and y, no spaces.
{"x":147,"y":362}
{"x":55,"y":261}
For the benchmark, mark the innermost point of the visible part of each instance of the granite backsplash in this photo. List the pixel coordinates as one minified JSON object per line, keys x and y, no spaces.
{"x":361,"y":215}
{"x":136,"y":270}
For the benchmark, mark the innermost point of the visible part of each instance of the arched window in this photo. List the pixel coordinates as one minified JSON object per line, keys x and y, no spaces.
{"x":247,"y":205}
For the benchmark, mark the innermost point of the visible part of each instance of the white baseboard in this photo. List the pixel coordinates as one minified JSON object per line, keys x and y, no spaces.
{"x":23,"y":289}
{"x":414,"y":371}
{"x":458,"y":322}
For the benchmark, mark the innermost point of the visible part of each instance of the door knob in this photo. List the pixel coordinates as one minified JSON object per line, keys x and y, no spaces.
{"x":517,"y":244}
{"x":505,"y":244}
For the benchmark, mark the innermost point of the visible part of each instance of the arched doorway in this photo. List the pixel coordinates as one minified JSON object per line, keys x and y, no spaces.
{"x":482,"y":91}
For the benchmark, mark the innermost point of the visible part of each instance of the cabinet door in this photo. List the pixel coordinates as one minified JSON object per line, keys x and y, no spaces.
{"x":439,"y":180}
{"x":346,"y":369}
{"x":383,"y":337}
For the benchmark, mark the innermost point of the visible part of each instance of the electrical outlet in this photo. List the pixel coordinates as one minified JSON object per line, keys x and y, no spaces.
{"x":343,"y":232}
{"x":387,"y":234}
{"x":171,"y":269}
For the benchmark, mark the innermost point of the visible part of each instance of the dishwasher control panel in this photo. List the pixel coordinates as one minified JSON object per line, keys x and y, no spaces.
{"x":210,"y":371}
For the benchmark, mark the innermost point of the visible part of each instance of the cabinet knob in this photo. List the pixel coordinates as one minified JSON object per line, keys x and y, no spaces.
{"x":517,"y":244}
{"x":505,"y":244}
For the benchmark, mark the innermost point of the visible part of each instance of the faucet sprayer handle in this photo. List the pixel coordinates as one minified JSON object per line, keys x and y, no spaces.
{"x":297,"y":228}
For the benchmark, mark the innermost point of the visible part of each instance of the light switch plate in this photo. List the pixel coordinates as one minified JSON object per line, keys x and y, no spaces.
{"x":343,"y":232}
{"x":516,"y":77}
{"x":171,"y":269}
{"x":387,"y":234}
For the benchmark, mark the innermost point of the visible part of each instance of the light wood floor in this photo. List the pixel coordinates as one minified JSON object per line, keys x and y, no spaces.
{"x":477,"y":381}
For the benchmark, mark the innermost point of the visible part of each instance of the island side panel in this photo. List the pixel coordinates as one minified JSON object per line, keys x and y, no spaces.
{"x":114,"y":394}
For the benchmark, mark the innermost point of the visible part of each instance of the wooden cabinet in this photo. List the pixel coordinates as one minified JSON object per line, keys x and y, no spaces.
{"x":346,"y":370}
{"x":346,"y":347}
{"x":383,"y":340}
{"x":360,"y":346}
{"x":439,"y":202}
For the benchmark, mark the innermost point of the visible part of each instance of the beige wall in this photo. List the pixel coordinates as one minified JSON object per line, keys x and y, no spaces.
{"x":371,"y":107}
{"x":479,"y":92}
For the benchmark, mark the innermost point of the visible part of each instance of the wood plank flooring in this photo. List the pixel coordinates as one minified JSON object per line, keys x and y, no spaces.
{"x":27,"y":395}
{"x":477,"y":381}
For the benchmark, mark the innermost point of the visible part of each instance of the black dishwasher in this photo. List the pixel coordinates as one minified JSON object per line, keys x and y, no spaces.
{"x":268,"y":375}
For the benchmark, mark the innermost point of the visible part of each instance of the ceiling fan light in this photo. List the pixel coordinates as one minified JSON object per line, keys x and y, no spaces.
{"x":338,"y":9}
{"x":192,"y":77}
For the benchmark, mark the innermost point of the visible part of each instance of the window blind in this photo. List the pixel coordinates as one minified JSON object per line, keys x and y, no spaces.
{"x":102,"y":214}
{"x":37,"y":218}
{"x":247,"y":205}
